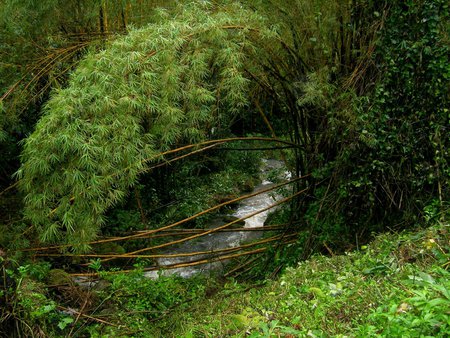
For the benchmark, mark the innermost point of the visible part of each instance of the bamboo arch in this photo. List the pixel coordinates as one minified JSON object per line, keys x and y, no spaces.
{"x":172,"y":230}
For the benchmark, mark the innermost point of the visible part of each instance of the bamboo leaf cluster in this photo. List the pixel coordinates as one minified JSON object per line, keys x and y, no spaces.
{"x":163,"y":85}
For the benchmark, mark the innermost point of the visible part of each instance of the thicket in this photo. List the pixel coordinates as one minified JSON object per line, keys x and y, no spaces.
{"x":375,"y":146}
{"x":379,"y":152}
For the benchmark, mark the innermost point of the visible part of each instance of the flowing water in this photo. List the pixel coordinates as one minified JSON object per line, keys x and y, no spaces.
{"x":224,"y":240}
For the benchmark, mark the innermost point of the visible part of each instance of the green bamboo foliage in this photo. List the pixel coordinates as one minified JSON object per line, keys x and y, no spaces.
{"x":160,"y":86}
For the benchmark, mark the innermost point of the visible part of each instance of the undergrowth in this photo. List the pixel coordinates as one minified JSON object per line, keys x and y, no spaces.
{"x":398,"y":286}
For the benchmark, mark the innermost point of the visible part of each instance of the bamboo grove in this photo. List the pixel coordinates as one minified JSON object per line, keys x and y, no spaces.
{"x":155,"y":88}
{"x":133,"y":86}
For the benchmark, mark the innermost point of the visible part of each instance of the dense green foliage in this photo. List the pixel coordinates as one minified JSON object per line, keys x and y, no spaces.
{"x":156,"y":88}
{"x":387,"y":166}
{"x":96,"y":95}
{"x":34,"y":309}
{"x":407,"y":146}
{"x":191,"y":77}
{"x":396,"y":286}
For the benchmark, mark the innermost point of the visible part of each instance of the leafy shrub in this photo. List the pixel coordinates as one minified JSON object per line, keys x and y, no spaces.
{"x":135,"y":301}
{"x":27,"y":309}
{"x":425,"y":313}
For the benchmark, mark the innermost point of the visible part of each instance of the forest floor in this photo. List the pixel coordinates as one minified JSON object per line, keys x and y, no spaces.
{"x":397,"y":286}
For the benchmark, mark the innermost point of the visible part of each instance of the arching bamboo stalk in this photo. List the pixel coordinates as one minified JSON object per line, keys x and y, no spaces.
{"x":148,"y":232}
{"x":109,"y":257}
{"x":205,"y":143}
{"x":43,"y":67}
{"x":184,"y":232}
{"x":224,"y":140}
{"x":177,"y":255}
{"x":284,"y":200}
{"x":262,"y":228}
{"x":181,"y":265}
{"x":181,"y":157}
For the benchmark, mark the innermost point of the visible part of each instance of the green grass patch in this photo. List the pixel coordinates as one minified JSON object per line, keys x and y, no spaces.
{"x":397,"y":286}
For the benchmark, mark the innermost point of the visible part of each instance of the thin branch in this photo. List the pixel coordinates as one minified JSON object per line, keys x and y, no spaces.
{"x":177,"y":255}
{"x":182,"y":265}
{"x":9,"y":188}
{"x":205,"y":143}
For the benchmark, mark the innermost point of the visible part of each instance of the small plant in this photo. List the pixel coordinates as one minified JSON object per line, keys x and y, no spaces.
{"x":95,"y":264}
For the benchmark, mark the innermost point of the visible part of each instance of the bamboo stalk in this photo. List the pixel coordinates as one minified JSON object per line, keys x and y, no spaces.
{"x":224,"y":140}
{"x":167,"y":267}
{"x":255,"y":259}
{"x":206,"y":143}
{"x":109,"y":257}
{"x":246,"y":263}
{"x":177,"y":255}
{"x":218,"y":228}
{"x":206,"y":261}
{"x":266,"y":121}
{"x":87,"y":316}
{"x":181,"y":265}
{"x":140,"y":235}
{"x":15,"y":85}
{"x":231,"y":139}
{"x":53,"y":60}
{"x":181,"y":157}
{"x":137,"y":196}
{"x":263,"y":228}
{"x":9,"y":188}
{"x":68,"y":51}
{"x":78,"y":316}
{"x":183,"y":232}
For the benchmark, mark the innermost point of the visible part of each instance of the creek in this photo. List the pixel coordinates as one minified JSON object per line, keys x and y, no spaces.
{"x":224,"y":240}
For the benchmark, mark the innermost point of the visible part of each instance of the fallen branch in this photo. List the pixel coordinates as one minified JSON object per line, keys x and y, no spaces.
{"x":181,"y":265}
{"x":177,"y":255}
